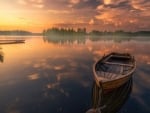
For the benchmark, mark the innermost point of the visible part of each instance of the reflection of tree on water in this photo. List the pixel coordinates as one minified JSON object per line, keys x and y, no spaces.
{"x":81,"y":39}
{"x":114,"y":38}
{"x":1,"y":56}
{"x":118,"y":38}
{"x":109,"y":102}
{"x":65,"y":39}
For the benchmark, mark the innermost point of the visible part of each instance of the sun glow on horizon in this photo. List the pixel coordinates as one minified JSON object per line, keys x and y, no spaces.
{"x":16,"y":18}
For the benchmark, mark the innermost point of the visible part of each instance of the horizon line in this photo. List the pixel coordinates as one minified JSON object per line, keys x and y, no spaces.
{"x":74,"y":29}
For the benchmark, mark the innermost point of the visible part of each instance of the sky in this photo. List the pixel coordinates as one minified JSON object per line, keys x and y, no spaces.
{"x":102,"y":15}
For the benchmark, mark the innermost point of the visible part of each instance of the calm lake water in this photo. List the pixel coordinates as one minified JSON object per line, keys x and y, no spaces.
{"x":54,"y":75}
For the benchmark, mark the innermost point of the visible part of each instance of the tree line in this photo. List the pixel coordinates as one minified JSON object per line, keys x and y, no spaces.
{"x":64,"y":31}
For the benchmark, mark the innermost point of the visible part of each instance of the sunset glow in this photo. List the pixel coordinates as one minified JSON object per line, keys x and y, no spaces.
{"x":110,"y":15}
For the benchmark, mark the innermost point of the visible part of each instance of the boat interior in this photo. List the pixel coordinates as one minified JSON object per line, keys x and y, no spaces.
{"x":114,"y":65}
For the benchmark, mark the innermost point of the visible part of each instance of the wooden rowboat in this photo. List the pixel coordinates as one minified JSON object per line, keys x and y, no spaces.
{"x":113,"y":70}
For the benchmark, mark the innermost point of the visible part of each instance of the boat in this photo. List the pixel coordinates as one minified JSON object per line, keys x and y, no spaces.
{"x":113,"y":70}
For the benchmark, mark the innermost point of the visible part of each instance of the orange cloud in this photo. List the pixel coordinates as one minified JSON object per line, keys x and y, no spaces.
{"x":121,"y":15}
{"x":34,"y":3}
{"x":59,"y":12}
{"x":74,"y":1}
{"x":23,"y":2}
{"x":140,"y":5}
{"x":91,"y":21}
{"x":107,"y":2}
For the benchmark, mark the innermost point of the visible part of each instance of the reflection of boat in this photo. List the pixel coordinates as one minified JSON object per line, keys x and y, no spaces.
{"x":110,"y":102}
{"x":114,"y":70}
{"x":11,"y":41}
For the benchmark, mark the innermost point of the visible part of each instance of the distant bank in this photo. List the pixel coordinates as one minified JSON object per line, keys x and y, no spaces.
{"x":19,"y":33}
{"x":82,"y":31}
{"x":68,"y":31}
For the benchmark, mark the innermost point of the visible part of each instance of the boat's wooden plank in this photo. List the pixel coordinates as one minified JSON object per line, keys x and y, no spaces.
{"x":107,"y":75}
{"x":100,"y":73}
{"x":112,"y":63}
{"x":119,"y":69}
{"x":119,"y":56}
{"x":115,"y":83}
{"x":113,"y":76}
{"x":106,"y":59}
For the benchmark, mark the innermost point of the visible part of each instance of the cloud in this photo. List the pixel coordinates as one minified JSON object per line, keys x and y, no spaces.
{"x":113,"y":2}
{"x":101,"y":14}
{"x":74,"y":1}
{"x":38,"y":5}
{"x":92,"y":4}
{"x":22,"y":2}
{"x":124,"y":14}
{"x":59,"y":12}
{"x":33,"y":3}
{"x":39,"y":1}
{"x":91,"y":21}
{"x":141,"y":4}
{"x":34,"y":76}
{"x":106,"y":2}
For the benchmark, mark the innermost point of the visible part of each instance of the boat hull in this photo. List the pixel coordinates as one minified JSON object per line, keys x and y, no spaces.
{"x":110,"y":85}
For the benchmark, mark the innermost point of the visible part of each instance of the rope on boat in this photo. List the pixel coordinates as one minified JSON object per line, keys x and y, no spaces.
{"x":97,"y":97}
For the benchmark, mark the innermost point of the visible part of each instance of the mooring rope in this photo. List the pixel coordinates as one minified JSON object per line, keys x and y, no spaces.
{"x":97,"y":97}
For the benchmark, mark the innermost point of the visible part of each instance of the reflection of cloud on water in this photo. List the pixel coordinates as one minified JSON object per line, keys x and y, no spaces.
{"x":73,"y":76}
{"x":27,"y":62}
{"x":13,"y":107}
{"x":56,"y":86}
{"x":90,"y":48}
{"x":143,"y":58}
{"x":59,"y":67}
{"x":34,"y":76}
{"x":53,"y":85}
{"x":141,"y":103}
{"x":138,"y":49}
{"x":142,"y":74}
{"x":141,"y":89}
{"x":72,"y":64}
{"x":58,"y":76}
{"x":37,"y":65}
{"x":42,"y":65}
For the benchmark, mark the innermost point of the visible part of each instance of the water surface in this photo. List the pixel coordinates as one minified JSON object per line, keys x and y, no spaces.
{"x":54,"y":74}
